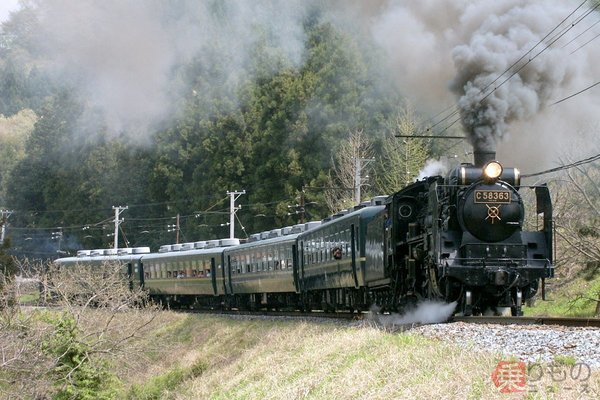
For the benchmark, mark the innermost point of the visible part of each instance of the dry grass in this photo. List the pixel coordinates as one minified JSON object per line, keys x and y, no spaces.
{"x":178,"y":356}
{"x":294,"y":360}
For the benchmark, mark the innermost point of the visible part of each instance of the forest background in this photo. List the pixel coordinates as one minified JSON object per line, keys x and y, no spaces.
{"x":272,"y":125}
{"x":165,"y":108}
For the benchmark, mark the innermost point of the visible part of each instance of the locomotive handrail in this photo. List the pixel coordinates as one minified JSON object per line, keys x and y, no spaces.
{"x":513,"y":261}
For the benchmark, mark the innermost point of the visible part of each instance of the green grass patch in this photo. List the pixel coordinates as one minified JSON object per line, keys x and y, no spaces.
{"x":157,"y":386}
{"x":573,"y":299}
{"x":30,"y":298}
{"x":565,"y":360}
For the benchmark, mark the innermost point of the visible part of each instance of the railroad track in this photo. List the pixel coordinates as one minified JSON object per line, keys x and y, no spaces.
{"x":291,"y":314}
{"x":501,"y":320}
{"x":560,"y":321}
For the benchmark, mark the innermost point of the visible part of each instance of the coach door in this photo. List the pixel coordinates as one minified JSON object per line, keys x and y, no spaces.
{"x":296,"y":267}
{"x":130,"y":275}
{"x":354,"y":247}
{"x":228,"y":284}
{"x":140,"y":270}
{"x":301,"y":283}
{"x":213,"y":274}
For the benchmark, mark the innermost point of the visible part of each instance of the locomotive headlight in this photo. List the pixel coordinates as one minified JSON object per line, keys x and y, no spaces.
{"x":492,"y":170}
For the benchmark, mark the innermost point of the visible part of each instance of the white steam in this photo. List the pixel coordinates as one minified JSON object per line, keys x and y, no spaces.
{"x":123,"y":54}
{"x":432,"y":168}
{"x":427,"y":312}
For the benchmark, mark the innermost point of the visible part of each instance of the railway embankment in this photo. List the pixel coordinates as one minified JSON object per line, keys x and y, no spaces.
{"x":196,"y":356}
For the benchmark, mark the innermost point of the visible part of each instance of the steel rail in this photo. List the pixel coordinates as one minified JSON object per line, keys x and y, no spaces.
{"x":560,"y":321}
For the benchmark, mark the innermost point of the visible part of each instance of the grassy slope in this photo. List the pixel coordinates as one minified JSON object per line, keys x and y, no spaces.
{"x":569,"y":294}
{"x":219,"y":358}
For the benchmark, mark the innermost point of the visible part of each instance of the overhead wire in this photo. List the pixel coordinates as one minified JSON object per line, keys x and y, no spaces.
{"x":564,"y":167}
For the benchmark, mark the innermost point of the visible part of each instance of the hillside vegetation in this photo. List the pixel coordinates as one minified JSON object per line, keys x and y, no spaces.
{"x":202,"y":357}
{"x":97,"y":344}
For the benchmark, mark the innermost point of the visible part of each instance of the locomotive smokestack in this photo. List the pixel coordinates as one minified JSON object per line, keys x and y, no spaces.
{"x":484,"y":151}
{"x":482,"y":157}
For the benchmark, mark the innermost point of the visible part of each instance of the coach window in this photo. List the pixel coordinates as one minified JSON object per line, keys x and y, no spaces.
{"x":246,"y":260}
{"x":322,"y":250}
{"x":347,"y":240}
{"x":281,"y":257}
{"x":233,"y":265}
{"x":305,"y":254}
{"x":270,"y":258}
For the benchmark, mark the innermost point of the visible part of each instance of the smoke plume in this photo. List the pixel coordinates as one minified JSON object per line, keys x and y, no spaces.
{"x":439,"y":48}
{"x":450,"y":55}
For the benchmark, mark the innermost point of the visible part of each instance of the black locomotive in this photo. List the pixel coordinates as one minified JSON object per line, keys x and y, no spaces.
{"x":460,"y":238}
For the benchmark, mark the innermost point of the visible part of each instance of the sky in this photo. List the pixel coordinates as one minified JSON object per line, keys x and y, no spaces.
{"x":6,"y":6}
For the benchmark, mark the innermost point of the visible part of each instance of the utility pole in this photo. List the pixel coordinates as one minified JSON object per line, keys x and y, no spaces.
{"x":3,"y":221}
{"x":58,"y":235}
{"x":233,"y":196}
{"x":174,"y":228}
{"x":358,"y":166}
{"x":118,"y":211}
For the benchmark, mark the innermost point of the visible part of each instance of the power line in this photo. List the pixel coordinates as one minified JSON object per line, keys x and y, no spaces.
{"x":575,"y":94}
{"x":563,"y":167}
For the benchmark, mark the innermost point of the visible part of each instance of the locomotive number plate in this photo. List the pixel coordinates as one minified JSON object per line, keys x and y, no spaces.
{"x":492,"y":196}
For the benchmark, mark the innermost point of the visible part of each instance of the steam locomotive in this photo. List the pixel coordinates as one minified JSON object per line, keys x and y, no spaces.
{"x":460,"y":238}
